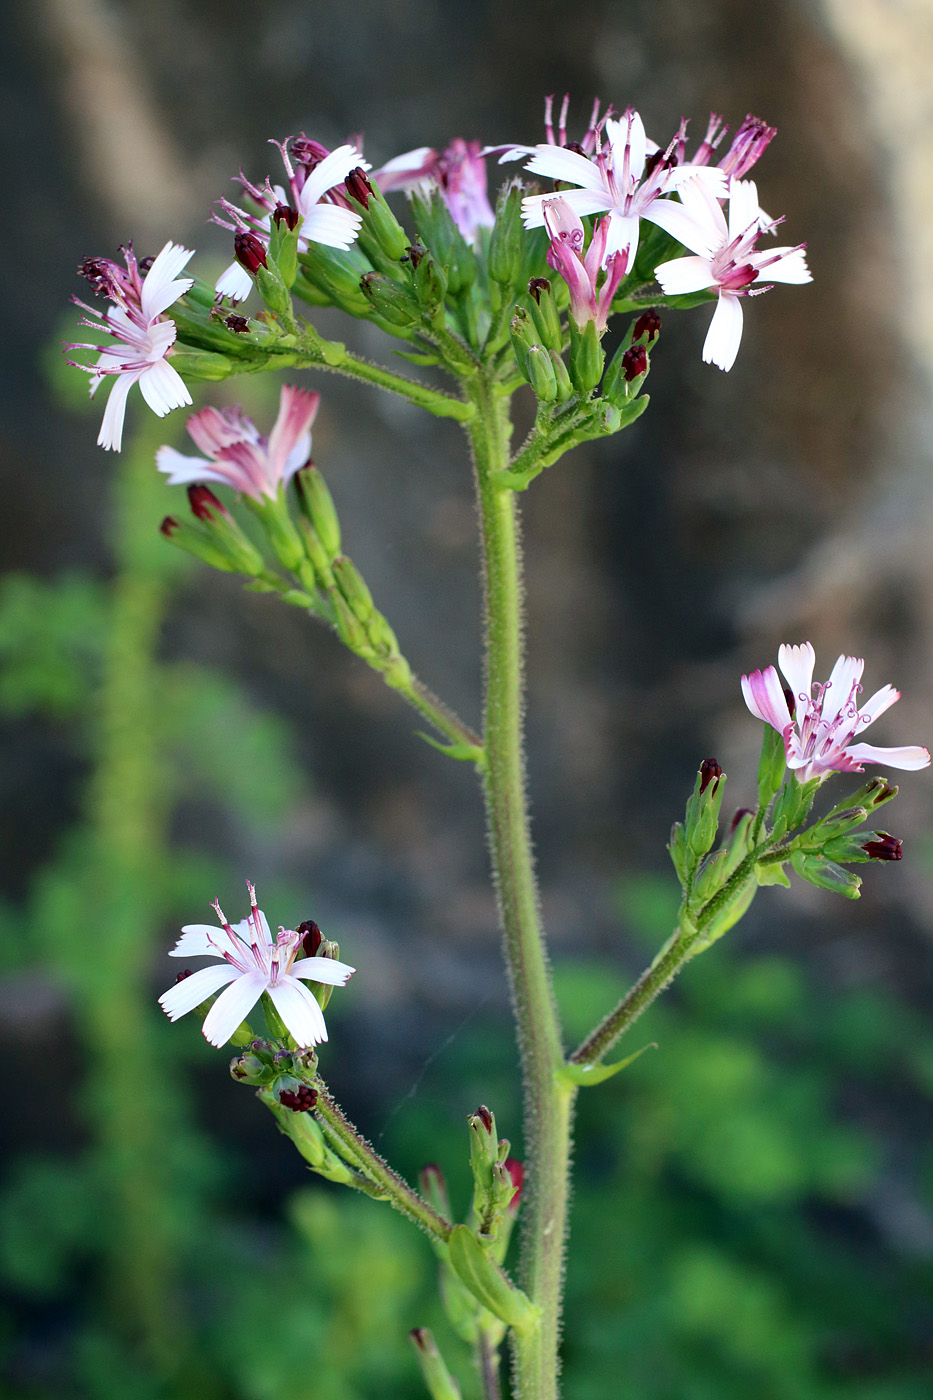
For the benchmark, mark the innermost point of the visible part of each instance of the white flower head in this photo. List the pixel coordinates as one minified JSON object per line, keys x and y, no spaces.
{"x":726,"y":260}
{"x":252,"y":962}
{"x":820,"y":722}
{"x":144,"y":336}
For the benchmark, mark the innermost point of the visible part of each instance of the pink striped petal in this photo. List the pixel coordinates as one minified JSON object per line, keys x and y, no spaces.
{"x":764,"y":696}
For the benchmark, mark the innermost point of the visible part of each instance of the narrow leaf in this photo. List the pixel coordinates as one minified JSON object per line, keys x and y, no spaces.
{"x":597,"y":1074}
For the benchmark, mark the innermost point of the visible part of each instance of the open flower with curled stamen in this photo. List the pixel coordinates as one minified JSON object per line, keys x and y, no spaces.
{"x":819,"y":722}
{"x":238,"y":455}
{"x":252,"y":963}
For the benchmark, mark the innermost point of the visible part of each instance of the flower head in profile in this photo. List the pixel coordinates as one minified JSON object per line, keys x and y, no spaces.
{"x":252,"y":963}
{"x":237,"y":455}
{"x":748,"y":145}
{"x":580,"y":270}
{"x":314,"y":179}
{"x":819,"y":722}
{"x":726,"y":260}
{"x":142,"y":334}
{"x":586,"y":145}
{"x":622,"y":179}
{"x":458,"y":172}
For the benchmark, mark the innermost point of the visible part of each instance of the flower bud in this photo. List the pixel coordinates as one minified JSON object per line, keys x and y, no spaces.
{"x":280,"y":530}
{"x":634,"y":362}
{"x":883,"y":846}
{"x":540,"y":373}
{"x":587,"y":357}
{"x":544,"y":313}
{"x":825,"y":874}
{"x":701,"y":820}
{"x":283,"y":243}
{"x":793,"y":804}
{"x":349,"y":628}
{"x":301,"y":1099}
{"x":430,"y":284}
{"x":860,"y":846}
{"x":439,"y":1382}
{"x":336,"y":273}
{"x":353,"y":587}
{"x":772,"y":765}
{"x":564,"y":386}
{"x":378,"y":219}
{"x":434,"y":1189}
{"x":437,"y":229}
{"x":200,"y":366}
{"x":647,"y":326}
{"x":504,"y":258}
{"x":625,"y":373}
{"x":677,"y":846}
{"x":523,"y":338}
{"x":318,"y":506}
{"x":484,"y":1146}
{"x":196,"y":542}
{"x":249,"y":1069}
{"x":390,"y":300}
{"x":516,"y":1171}
{"x":311,"y":938}
{"x":249,"y":252}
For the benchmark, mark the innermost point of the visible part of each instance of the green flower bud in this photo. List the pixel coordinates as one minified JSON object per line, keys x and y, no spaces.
{"x":196,"y":542}
{"x":541,"y":375}
{"x":225,"y":531}
{"x":587,"y":357}
{"x":678,"y":849}
{"x":544,"y":313}
{"x":701,"y":820}
{"x":438,"y":1380}
{"x":273,"y":289}
{"x":283,"y":243}
{"x":710,"y":876}
{"x":436,"y":229}
{"x":378,"y":219}
{"x":390,"y":300}
{"x":793,"y":805}
{"x":318,"y":506}
{"x":349,"y":628}
{"x":280,"y":531}
{"x":484,"y":1147}
{"x":825,"y":874}
{"x":434,"y":1189}
{"x":772,"y":765}
{"x":504,"y":258}
{"x":353,"y":587}
{"x":564,"y":386}
{"x":201,"y":366}
{"x":430,"y":283}
{"x":337,"y":272}
{"x":317,"y":554}
{"x":523,"y":338}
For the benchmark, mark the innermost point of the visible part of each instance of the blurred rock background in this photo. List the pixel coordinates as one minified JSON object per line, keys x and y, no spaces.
{"x":790,"y":1253}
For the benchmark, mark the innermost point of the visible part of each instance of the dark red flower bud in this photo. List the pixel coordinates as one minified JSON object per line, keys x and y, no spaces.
{"x":237,"y":324}
{"x":311,"y":938}
{"x":169,"y":525}
{"x":249,"y":252}
{"x":634,"y":362}
{"x":299,"y":1100}
{"x":538,"y":287}
{"x":739,"y":814}
{"x":485,"y":1117}
{"x":182,"y":975}
{"x":358,"y":187}
{"x":576,"y":147}
{"x":652,"y":163}
{"x":516,"y":1170}
{"x":648,"y":324}
{"x":791,"y":700}
{"x":710,"y":771}
{"x":285,"y":214}
{"x":885,"y":848}
{"x":204,"y":504}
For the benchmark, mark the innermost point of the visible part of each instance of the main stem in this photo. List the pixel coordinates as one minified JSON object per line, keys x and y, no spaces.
{"x":548,"y":1102}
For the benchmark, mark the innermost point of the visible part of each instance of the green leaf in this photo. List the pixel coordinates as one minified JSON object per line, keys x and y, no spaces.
{"x":486,"y":1281}
{"x":598,"y":1074}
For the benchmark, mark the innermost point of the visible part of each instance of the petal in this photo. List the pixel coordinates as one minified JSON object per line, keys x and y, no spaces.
{"x":213,"y":428}
{"x":764,"y":696}
{"x":199,"y":941}
{"x":743,"y":207}
{"x":561,"y":164}
{"x":797,"y":663}
{"x":234,"y":283}
{"x":332,"y":225}
{"x":678,"y":221}
{"x":111,"y":429}
{"x":232,"y":1006}
{"x":329,"y":172}
{"x":299,"y":1010}
{"x":159,"y":286}
{"x":297,"y":409}
{"x":690,"y":274}
{"x":181,"y":469}
{"x":163,"y":388}
{"x":328,"y":970}
{"x":791,"y":266}
{"x":582,"y":201}
{"x":882,"y":700}
{"x":191,"y":991}
{"x":908,"y":756}
{"x":844,"y":676}
{"x":725,"y":332}
{"x":622,"y":237}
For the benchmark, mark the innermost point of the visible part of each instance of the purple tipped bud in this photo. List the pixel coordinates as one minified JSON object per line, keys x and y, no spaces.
{"x":420,"y":1337}
{"x":516,"y":1170}
{"x":205,"y":505}
{"x":169,"y":525}
{"x":884,"y":793}
{"x":710,"y":772}
{"x":538,"y":287}
{"x":249,"y":252}
{"x":285,"y":214}
{"x":358,"y":187}
{"x":311,"y":938}
{"x":415,"y":252}
{"x":484,"y":1116}
{"x":886,"y":847}
{"x":634,"y":362}
{"x":741,"y":813}
{"x":299,"y":1100}
{"x":648,"y":324}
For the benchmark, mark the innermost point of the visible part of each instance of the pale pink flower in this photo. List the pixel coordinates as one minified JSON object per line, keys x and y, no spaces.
{"x":581,"y":270}
{"x":238,"y":455}
{"x":252,"y":963}
{"x":143,"y":334}
{"x":819,"y":726}
{"x":458,"y":172}
{"x":726,"y":260}
{"x":619,"y":181}
{"x":315,"y":177}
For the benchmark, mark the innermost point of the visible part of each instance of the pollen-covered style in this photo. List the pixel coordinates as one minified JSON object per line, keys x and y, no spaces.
{"x":143,"y":334}
{"x":238,"y":455}
{"x":252,"y":962}
{"x":824,"y":719}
